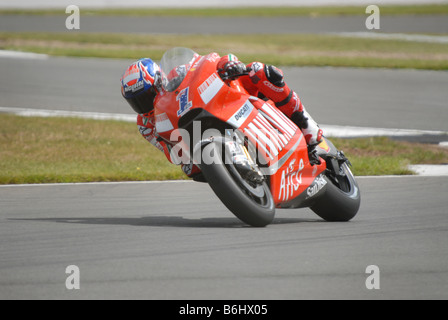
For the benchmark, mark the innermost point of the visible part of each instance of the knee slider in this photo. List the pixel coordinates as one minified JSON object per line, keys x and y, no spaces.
{"x":274,"y":76}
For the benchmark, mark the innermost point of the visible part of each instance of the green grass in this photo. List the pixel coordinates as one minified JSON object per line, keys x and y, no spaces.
{"x":55,"y":150}
{"x":44,"y":150}
{"x":383,"y":156}
{"x":246,"y":11}
{"x":283,"y":50}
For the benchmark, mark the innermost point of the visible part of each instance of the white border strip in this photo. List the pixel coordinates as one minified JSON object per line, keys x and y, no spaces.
{"x":354,"y":132}
{"x":24,"y":112}
{"x":329,"y":130}
{"x":395,"y":36}
{"x":429,"y":170}
{"x":80,"y":184}
{"x":22,"y":55}
{"x":74,"y":184}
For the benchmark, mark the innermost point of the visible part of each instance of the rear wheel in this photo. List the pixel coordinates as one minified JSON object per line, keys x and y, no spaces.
{"x":342,"y":197}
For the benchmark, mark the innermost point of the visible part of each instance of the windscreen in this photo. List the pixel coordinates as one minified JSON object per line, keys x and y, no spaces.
{"x":174,"y":66}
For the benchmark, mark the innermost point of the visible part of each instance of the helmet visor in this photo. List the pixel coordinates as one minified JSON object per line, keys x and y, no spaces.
{"x":144,"y":102}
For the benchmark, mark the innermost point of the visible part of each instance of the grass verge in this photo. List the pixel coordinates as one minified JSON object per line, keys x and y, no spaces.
{"x":55,"y":150}
{"x":432,"y":9}
{"x":285,"y":50}
{"x":45,"y":150}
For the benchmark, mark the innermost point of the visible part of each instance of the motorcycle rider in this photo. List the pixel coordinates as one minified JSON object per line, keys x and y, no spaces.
{"x":141,"y":83}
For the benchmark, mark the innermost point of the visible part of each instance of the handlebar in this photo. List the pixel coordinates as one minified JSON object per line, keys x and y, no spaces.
{"x":236,"y":76}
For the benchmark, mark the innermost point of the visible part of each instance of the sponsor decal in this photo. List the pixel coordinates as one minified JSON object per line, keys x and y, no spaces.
{"x":184,"y":104}
{"x":323,"y":145}
{"x":279,"y":121}
{"x":272,"y":87}
{"x":135,"y":87}
{"x":135,"y":77}
{"x":213,"y":57}
{"x":270,"y":130}
{"x":291,"y":180}
{"x":163,"y":123}
{"x":241,"y":112}
{"x":210,"y":87}
{"x":317,"y":185}
{"x":238,"y":118}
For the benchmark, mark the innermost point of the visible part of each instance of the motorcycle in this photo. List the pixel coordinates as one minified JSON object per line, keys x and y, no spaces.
{"x":254,"y":158}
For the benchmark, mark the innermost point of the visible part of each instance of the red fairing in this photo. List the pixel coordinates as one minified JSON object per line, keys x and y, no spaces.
{"x":281,"y":143}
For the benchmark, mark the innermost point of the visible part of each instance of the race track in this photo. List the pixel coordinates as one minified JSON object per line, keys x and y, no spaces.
{"x":405,"y":99}
{"x":228,"y":25}
{"x":176,"y":241}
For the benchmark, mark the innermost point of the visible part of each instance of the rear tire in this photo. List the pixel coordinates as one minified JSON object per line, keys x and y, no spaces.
{"x":252,"y":205}
{"x":342,"y":198}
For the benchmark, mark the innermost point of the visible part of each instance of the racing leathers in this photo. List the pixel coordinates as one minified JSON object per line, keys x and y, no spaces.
{"x":263,"y":81}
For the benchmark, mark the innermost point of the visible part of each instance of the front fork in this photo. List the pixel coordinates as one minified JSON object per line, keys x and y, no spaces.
{"x":242,"y":159}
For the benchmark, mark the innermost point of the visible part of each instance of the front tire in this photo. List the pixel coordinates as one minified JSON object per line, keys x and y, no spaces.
{"x":253,"y":205}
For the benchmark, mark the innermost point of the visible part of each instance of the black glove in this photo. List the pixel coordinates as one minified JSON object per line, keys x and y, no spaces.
{"x":232,"y":70}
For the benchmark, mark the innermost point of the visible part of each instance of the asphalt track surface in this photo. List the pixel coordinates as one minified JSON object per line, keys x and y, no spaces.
{"x":225,"y":25}
{"x":404,"y":99}
{"x":177,"y":241}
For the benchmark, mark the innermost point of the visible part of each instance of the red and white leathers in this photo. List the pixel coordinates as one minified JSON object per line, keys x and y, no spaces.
{"x":262,"y":81}
{"x":146,"y":126}
{"x":268,"y":81}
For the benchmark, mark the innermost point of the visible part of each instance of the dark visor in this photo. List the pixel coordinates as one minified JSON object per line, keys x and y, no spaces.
{"x":144,"y":102}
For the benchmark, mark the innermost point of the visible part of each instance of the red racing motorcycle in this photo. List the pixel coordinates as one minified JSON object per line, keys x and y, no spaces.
{"x":253,"y":157}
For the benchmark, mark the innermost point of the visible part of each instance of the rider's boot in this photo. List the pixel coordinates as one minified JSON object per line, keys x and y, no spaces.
{"x":311,"y":131}
{"x":295,"y":110}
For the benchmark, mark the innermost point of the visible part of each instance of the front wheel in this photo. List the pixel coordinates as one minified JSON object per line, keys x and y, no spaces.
{"x":251,"y":203}
{"x":342,"y":197}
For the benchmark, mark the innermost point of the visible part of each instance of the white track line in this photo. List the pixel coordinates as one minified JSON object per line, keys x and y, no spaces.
{"x":80,"y":184}
{"x":330,"y":130}
{"x":427,"y":170}
{"x":25,"y":112}
{"x":22,"y":55}
{"x":353,"y":132}
{"x":395,"y":36}
{"x":93,"y":183}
